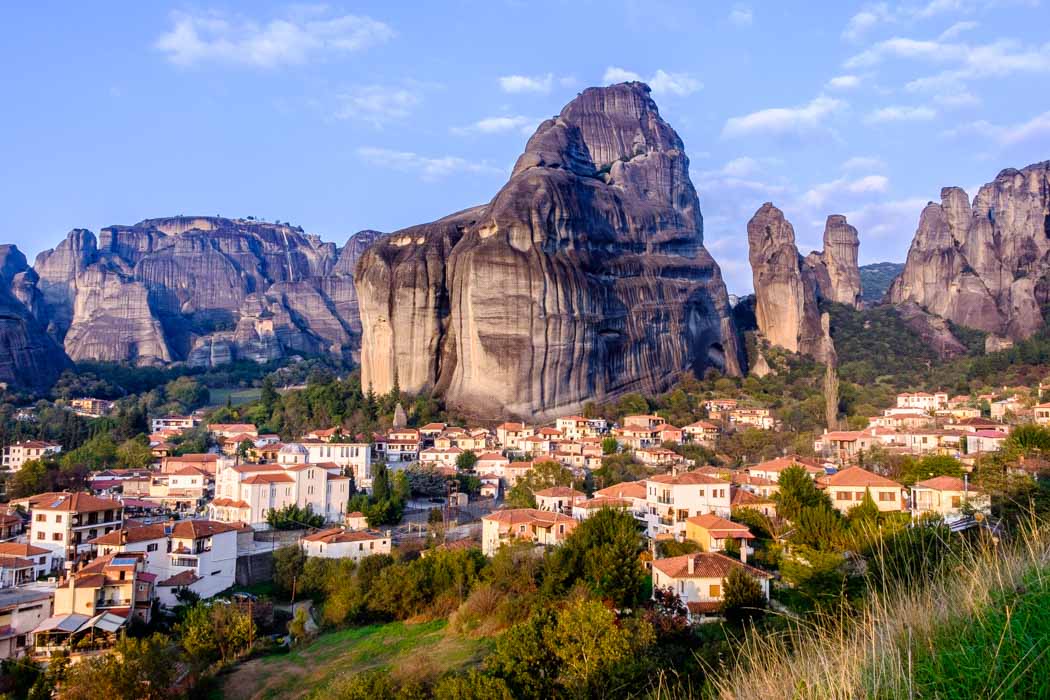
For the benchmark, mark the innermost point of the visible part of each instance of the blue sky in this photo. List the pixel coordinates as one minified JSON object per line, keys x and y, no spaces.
{"x":381,"y":115}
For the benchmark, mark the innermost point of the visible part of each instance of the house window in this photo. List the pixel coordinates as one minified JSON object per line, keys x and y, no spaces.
{"x":715,"y":591}
{"x":40,"y":535}
{"x":58,"y":518}
{"x":57,"y":537}
{"x":151,"y":547}
{"x":956,"y":501}
{"x":842,"y":495}
{"x":886,"y":496}
{"x":41,"y":517}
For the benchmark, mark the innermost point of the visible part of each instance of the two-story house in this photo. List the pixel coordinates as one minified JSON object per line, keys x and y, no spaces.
{"x":530,"y":524}
{"x":699,"y":580}
{"x":673,"y":498}
{"x":64,"y":521}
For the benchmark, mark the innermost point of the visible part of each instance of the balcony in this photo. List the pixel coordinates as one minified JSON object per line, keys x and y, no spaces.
{"x":665,"y":500}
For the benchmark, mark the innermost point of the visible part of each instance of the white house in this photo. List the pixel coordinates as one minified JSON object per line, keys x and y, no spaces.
{"x":531,"y":524}
{"x":945,"y":496}
{"x":337,"y":543}
{"x":63,"y":522}
{"x":699,"y":580}
{"x":558,"y":499}
{"x":42,"y":558}
{"x":21,"y":611}
{"x":671,"y":499}
{"x":200,"y":555}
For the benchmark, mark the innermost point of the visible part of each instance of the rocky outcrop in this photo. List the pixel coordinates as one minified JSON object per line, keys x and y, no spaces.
{"x":584,"y":278}
{"x":932,"y":330}
{"x":985,"y":265}
{"x":835,"y":268}
{"x":28,"y":355}
{"x":206,"y":290}
{"x":786,"y":306}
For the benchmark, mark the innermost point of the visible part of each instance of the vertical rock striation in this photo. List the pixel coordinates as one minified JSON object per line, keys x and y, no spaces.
{"x":984,"y":265}
{"x":29,"y":357}
{"x":584,"y":278}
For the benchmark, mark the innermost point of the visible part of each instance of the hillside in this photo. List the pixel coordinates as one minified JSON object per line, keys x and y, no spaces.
{"x":876,"y":278}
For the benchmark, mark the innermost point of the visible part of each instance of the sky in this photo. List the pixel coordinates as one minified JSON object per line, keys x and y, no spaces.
{"x":382,"y":115}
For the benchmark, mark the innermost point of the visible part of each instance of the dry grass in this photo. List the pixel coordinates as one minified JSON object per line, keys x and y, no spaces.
{"x":878,"y":654}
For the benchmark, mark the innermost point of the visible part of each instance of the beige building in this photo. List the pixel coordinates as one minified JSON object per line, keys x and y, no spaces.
{"x":945,"y":496}
{"x":529,"y":524}
{"x":21,"y":610}
{"x":847,"y":488}
{"x":17,"y":454}
{"x":337,"y":543}
{"x":558,"y":499}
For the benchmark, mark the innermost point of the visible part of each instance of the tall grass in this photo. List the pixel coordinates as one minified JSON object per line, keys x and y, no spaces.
{"x":976,"y":628}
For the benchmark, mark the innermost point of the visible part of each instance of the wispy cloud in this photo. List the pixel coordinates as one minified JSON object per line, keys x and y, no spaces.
{"x":377,"y":104}
{"x":784,"y":120}
{"x":864,"y":163}
{"x":843,"y":82}
{"x":957,"y":29}
{"x":1009,"y":134}
{"x":212,"y":37}
{"x":868,"y":18}
{"x":661,"y":82}
{"x":895,"y":220}
{"x":741,"y":16}
{"x":527,"y":83}
{"x":818,"y":195}
{"x":496,"y":125}
{"x":900,"y":114}
{"x":428,"y":168}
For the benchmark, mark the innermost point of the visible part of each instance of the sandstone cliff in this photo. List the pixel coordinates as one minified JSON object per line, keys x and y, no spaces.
{"x":984,"y":265}
{"x":584,"y":278}
{"x":786,"y":288}
{"x":203,"y":289}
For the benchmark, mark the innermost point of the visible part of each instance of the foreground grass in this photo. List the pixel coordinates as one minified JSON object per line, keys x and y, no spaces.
{"x":982,"y":630}
{"x":405,"y":649}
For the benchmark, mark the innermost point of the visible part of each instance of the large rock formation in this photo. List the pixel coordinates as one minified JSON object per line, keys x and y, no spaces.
{"x":984,"y":266}
{"x":203,"y":289}
{"x":28,"y":355}
{"x":584,"y":278}
{"x":835,"y":268}
{"x":786,"y":296}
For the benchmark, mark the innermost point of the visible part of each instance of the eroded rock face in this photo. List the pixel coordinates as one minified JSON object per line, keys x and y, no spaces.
{"x":28,"y":355}
{"x":203,"y":289}
{"x":786,"y":287}
{"x":584,"y":278}
{"x":835,"y":269}
{"x":984,"y":266}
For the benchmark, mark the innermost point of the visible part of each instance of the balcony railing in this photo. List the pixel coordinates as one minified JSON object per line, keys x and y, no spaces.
{"x":665,"y":500}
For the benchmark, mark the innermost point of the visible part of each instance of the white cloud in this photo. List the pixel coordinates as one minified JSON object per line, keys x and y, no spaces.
{"x":218,"y":38}
{"x":376,"y":104}
{"x":741,"y":16}
{"x":784,"y":120}
{"x":997,"y":59}
{"x":900,"y":114}
{"x":1009,"y":135}
{"x":895,"y":220}
{"x":680,"y":84}
{"x":866,"y":19}
{"x":817,"y":195}
{"x":661,"y":82}
{"x":496,"y":125}
{"x":957,"y":29}
{"x":527,"y":83}
{"x":843,"y":82}
{"x":614,"y":74}
{"x":428,"y":168}
{"x":864,"y":163}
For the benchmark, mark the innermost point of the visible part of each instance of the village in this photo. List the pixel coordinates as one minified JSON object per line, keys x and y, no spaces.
{"x":76,"y":568}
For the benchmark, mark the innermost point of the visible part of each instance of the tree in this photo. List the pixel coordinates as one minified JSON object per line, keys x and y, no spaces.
{"x":542,"y":475}
{"x":610,"y":446}
{"x":268,"y":395}
{"x":32,"y":478}
{"x":819,"y":576}
{"x":288,"y":563}
{"x":136,"y":669}
{"x":928,"y":467}
{"x":292,"y":517}
{"x":244,"y":448}
{"x":668,"y":615}
{"x":797,"y":491}
{"x":381,"y":486}
{"x":135,"y":453}
{"x":602,"y":553}
{"x":297,"y":627}
{"x":742,"y":597}
{"x":472,"y":685}
{"x":466,"y":460}
{"x":1029,"y":437}
{"x":819,"y":527}
{"x":865,"y":513}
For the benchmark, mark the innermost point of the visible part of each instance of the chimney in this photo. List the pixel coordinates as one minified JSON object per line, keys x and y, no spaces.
{"x":743,"y":550}
{"x":691,"y":564}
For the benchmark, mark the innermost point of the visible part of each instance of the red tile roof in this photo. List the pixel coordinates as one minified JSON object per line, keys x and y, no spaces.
{"x":705,"y":565}
{"x":720,"y":527}
{"x":72,"y":502}
{"x":856,"y":476}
